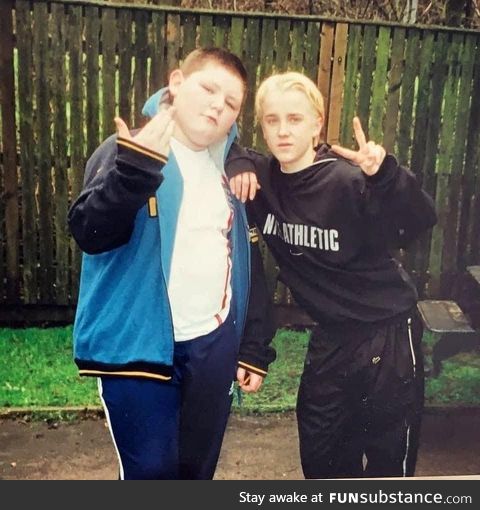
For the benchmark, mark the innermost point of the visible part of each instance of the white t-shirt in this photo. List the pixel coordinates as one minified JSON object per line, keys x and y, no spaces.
{"x":199,"y":285}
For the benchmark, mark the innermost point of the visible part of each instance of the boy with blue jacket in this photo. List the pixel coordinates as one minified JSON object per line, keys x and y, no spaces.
{"x":170,"y":280}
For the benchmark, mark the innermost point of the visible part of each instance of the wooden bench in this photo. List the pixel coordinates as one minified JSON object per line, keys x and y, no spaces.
{"x":456,"y":334}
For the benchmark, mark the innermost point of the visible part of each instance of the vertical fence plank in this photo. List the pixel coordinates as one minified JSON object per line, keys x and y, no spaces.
{"x":351,"y":84}
{"x":92,"y":33}
{"x":252,"y":43}
{"x":125,"y":59}
{"x":60,"y":180}
{"x":366,"y":74}
{"x":27,"y":167}
{"x":221,"y":30}
{"x":266,"y":48}
{"x":393,"y":93}
{"x":44,"y":162}
{"x":435,"y":259}
{"x":109,"y":65}
{"x":189,"y":27}
{"x":206,"y":31}
{"x":266,"y":66}
{"x":7,"y":94}
{"x":435,"y":101}
{"x":237,"y":36}
{"x":378,"y":88}
{"x":237,"y":46}
{"x":312,"y":47}
{"x":421,"y":107}
{"x":77,"y":129}
{"x":407,"y":94}
{"x":298,"y":41}
{"x":159,"y":73}
{"x":337,"y":83}
{"x":282,"y":45}
{"x":173,"y":41}
{"x":325,"y":70}
{"x":140,"y":80}
{"x":447,"y":125}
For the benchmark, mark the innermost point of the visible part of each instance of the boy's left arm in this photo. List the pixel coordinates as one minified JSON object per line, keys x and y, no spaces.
{"x":256,"y":353}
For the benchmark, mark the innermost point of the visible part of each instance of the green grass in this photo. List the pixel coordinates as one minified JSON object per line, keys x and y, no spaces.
{"x":279,"y":390}
{"x":38,"y":371}
{"x":459,"y":381}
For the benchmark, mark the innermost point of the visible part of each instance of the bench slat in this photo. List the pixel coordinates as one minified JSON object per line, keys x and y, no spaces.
{"x":444,"y":317}
{"x":475,"y":272}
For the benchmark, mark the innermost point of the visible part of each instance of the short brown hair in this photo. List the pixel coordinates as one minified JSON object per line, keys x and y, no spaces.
{"x":197,"y":59}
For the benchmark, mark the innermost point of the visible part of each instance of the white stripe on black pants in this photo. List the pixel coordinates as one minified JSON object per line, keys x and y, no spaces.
{"x":361,"y":396}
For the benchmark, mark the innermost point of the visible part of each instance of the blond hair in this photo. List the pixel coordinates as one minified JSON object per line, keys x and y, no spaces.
{"x":288,"y":81}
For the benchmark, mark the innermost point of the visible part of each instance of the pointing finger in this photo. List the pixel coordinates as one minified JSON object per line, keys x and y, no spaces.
{"x":359,"y":134}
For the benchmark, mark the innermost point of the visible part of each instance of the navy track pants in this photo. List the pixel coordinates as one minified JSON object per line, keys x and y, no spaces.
{"x":174,"y":430}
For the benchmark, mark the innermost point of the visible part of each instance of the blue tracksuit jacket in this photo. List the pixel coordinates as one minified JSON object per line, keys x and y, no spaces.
{"x":125,"y":220}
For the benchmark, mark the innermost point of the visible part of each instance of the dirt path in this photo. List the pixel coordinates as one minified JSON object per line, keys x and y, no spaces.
{"x":254,"y":448}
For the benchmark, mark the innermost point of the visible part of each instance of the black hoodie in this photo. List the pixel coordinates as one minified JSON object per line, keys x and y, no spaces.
{"x":331,"y":229}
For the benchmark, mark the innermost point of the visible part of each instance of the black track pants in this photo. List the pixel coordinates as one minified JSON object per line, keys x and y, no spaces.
{"x":360,"y":401}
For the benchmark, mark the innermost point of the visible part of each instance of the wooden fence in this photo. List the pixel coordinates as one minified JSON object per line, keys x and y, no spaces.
{"x":68,"y":67}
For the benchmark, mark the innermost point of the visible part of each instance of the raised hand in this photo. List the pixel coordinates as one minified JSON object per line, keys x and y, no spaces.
{"x":156,"y":133}
{"x":369,"y":156}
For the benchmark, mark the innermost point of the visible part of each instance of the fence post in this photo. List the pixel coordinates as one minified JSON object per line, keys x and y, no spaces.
{"x":337,"y":83}
{"x":7,"y":95}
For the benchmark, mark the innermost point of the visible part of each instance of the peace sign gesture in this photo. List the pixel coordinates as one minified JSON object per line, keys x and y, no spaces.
{"x":369,"y":156}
